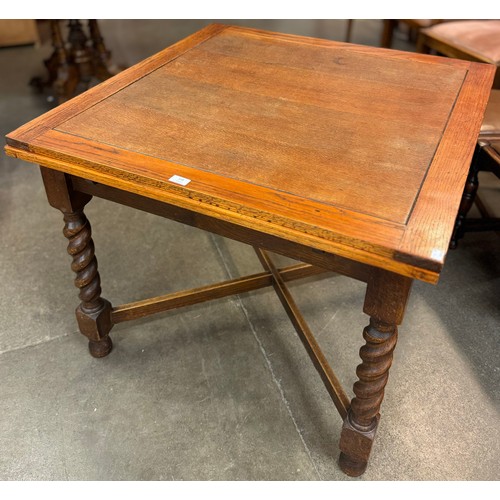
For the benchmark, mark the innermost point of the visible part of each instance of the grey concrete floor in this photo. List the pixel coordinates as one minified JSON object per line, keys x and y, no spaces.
{"x":222,"y":390}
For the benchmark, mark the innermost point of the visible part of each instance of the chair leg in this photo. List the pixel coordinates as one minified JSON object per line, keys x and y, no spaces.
{"x":422,"y":45}
{"x":468,"y":197}
{"x":387,"y":32}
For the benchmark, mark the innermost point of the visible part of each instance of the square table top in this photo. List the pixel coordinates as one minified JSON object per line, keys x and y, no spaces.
{"x":358,"y":151}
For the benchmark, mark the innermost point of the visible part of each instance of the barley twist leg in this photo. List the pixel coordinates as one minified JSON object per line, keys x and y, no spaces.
{"x":385,"y":302}
{"x":94,"y":312}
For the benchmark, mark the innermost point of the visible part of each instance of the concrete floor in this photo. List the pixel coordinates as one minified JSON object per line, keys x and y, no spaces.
{"x":222,"y":390}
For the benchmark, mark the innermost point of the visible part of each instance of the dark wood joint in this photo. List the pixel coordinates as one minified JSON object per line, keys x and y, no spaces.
{"x":60,"y":192}
{"x":96,"y":325}
{"x":386,"y":297}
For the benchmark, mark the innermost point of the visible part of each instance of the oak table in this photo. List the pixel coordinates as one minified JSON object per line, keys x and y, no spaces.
{"x":347,"y":158}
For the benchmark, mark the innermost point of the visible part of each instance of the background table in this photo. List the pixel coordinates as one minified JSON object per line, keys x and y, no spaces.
{"x":349,"y":158}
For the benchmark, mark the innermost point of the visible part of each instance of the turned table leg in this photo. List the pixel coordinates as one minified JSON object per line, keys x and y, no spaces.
{"x":385,"y":302}
{"x":94,"y":313}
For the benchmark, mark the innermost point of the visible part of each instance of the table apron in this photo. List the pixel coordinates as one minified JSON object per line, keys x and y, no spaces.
{"x":226,"y":229}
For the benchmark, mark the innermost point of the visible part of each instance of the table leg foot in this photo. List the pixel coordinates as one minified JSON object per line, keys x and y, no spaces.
{"x":100,"y":348}
{"x":356,"y":445}
{"x":350,"y":466}
{"x":95,"y":325}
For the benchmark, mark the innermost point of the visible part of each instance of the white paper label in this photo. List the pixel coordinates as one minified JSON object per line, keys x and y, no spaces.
{"x":179,"y":180}
{"x":437,"y":254}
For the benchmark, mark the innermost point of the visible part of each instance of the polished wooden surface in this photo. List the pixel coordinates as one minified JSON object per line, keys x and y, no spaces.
{"x":280,"y":116}
{"x":351,"y":150}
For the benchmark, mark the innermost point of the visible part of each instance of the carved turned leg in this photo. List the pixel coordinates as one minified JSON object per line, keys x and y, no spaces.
{"x":94,"y":313}
{"x":385,"y":301}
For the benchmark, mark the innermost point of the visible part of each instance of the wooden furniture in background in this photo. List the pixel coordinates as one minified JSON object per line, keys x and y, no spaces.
{"x":77,"y":59}
{"x":281,"y":142}
{"x":469,"y":40}
{"x":473,"y":41}
{"x":18,"y":32}
{"x":413,"y":25}
{"x":486,"y":159}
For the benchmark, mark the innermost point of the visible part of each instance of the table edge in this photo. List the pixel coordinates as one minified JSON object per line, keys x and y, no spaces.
{"x":447,"y":173}
{"x":94,"y":95}
{"x":382,"y":257}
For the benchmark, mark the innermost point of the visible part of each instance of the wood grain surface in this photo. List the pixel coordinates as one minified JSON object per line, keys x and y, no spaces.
{"x":265,"y":114}
{"x":356,"y":151}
